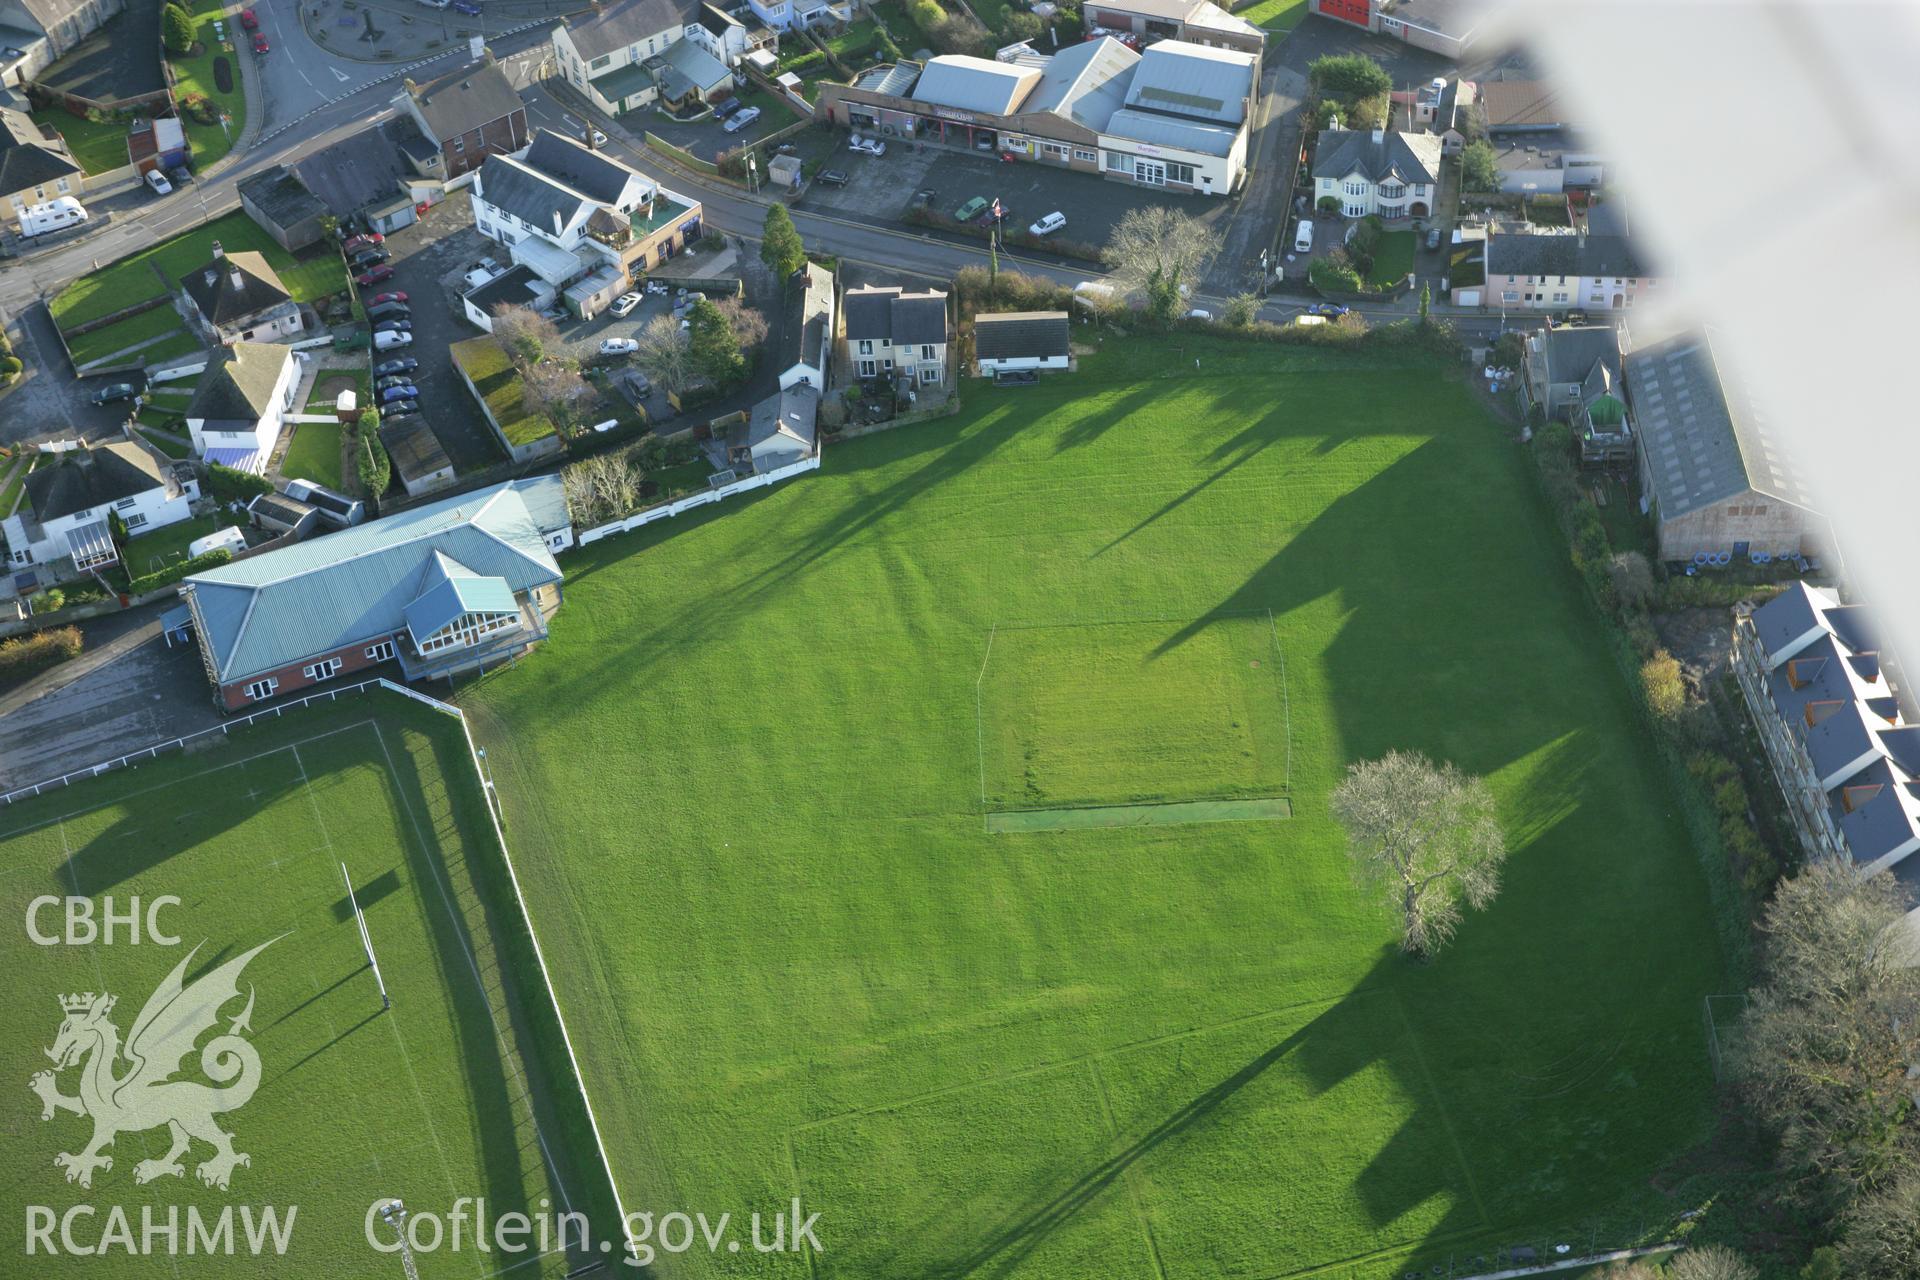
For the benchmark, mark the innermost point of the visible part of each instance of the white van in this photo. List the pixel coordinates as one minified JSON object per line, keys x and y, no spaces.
{"x":1094,"y":295}
{"x":38,"y":219}
{"x":390,"y":339}
{"x":1303,"y":237}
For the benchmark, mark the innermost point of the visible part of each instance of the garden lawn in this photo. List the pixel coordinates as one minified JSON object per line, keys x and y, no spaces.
{"x":97,"y":344}
{"x":498,"y":383}
{"x":96,"y":148}
{"x":152,"y":552}
{"x":427,"y":1100}
{"x":135,"y":277}
{"x":196,"y":74}
{"x":747,"y":781}
{"x":314,"y":454}
{"x":1392,"y":259}
{"x":13,"y":479}
{"x":1275,"y":15}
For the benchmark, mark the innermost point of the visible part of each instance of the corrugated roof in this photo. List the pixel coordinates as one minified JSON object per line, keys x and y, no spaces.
{"x":1167,"y":131}
{"x":327,"y":593}
{"x":1704,"y":436}
{"x":1085,"y":83}
{"x":1194,"y":81}
{"x":975,"y":84}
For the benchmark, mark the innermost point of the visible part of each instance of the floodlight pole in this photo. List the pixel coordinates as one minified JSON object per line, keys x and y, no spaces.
{"x":394,"y":1214}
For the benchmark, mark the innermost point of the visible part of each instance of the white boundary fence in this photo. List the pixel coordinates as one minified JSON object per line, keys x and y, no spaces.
{"x":674,"y":508}
{"x":493,"y":815}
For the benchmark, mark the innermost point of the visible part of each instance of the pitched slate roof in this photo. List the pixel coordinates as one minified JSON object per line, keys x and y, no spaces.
{"x":327,"y":593}
{"x":1704,"y":436}
{"x":95,"y":477}
{"x":1412,"y":157}
{"x":233,"y":286}
{"x":594,"y":174}
{"x":628,"y":22}
{"x":1194,"y":81}
{"x":449,"y":590}
{"x":528,"y":194}
{"x":238,"y":384}
{"x":785,"y":418}
{"x":464,"y":100}
{"x":887,"y":311}
{"x":1006,"y":335}
{"x":1573,"y":353}
{"x":28,"y":158}
{"x":1535,"y":254}
{"x":359,"y":169}
{"x":809,"y":315}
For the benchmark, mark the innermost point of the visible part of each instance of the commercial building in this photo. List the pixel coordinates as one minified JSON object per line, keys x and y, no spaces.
{"x":1176,"y":116}
{"x":457,"y":585}
{"x":1194,"y":21}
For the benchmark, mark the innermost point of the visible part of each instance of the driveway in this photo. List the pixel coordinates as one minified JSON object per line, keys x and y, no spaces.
{"x":142,"y":693}
{"x":47,"y":402}
{"x":422,"y":254}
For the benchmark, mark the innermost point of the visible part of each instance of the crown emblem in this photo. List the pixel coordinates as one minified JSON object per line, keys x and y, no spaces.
{"x":77,"y":1003}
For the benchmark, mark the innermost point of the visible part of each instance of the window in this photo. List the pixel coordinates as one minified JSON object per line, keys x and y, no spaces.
{"x":868,"y":368}
{"x":1085,"y":157}
{"x":380,"y":652}
{"x":926,"y":351}
{"x":866,"y":346}
{"x":459,"y":144}
{"x":1391,"y":191}
{"x":1509,"y":296}
{"x":124,"y":503}
{"x":321,"y":670}
{"x":135,"y":520}
{"x":62,"y":186}
{"x":1356,"y":188}
{"x":1119,"y":162}
{"x":1180,"y":173}
{"x":261,"y":688}
{"x":1561,"y":296}
{"x":467,"y":629}
{"x":601,"y":61}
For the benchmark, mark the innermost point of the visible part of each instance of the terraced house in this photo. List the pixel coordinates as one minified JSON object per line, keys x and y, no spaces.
{"x":462,"y":584}
{"x":467,"y":115}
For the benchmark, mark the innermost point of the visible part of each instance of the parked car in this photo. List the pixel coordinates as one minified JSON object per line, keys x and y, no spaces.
{"x":158,"y":181}
{"x":391,"y":339}
{"x":180,"y":175}
{"x":467,"y":7}
{"x":624,"y":304}
{"x":726,"y":108}
{"x":374,"y":275}
{"x":619,"y":347}
{"x":365,"y":240}
{"x":1048,"y":225}
{"x":260,"y":44}
{"x":394,"y":326}
{"x":399,"y":407}
{"x":388,"y":368}
{"x":1304,"y":320}
{"x":1199,"y":313}
{"x":378,"y":298}
{"x":992,"y":219}
{"x":741,"y":119}
{"x":868,"y":146}
{"x":369,"y":257}
{"x":971,"y":209}
{"x":394,"y":380}
{"x":405,"y":391}
{"x":114,"y":391}
{"x":1331,"y":310}
{"x":390,"y":311}
{"x":248,"y":20}
{"x":833,"y":178}
{"x":1433,"y":239}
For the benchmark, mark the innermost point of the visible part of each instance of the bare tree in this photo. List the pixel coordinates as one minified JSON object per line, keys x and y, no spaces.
{"x":1157,"y":250}
{"x":666,"y":353}
{"x":749,"y":323}
{"x":1632,"y":579}
{"x":1832,"y":1030}
{"x":1425,"y":838}
{"x":556,"y":390}
{"x":603,"y":487}
{"x":1881,"y":1240}
{"x":523,"y":333}
{"x":1714,"y":1262}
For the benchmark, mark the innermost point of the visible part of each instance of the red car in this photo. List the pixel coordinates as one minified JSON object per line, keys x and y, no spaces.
{"x":248,"y":21}
{"x":380,"y":298}
{"x":374,"y":275}
{"x":260,"y":42}
{"x":371,"y":240}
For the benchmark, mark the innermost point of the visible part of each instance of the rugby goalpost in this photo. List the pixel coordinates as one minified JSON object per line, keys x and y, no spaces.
{"x":366,"y":939}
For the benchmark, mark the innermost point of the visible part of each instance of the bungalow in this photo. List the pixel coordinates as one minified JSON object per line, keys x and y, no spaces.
{"x":1717,"y":479}
{"x":239,"y":298}
{"x":67,"y":509}
{"x":1367,"y":172}
{"x":809,"y":329}
{"x":465,"y":583}
{"x":893,"y":333}
{"x":241,"y":403}
{"x":1020,"y":341}
{"x":779,"y":431}
{"x":1548,"y":271}
{"x":467,"y":115}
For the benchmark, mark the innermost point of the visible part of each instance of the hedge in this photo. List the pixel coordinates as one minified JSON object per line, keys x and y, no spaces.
{"x":174,"y":572}
{"x":27,"y":656}
{"x":229,"y":485}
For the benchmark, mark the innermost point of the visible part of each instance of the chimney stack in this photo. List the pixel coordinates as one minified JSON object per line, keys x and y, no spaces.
{"x":235,"y":281}
{"x":557,"y":228}
{"x":218,"y":252}
{"x":1379,"y":135}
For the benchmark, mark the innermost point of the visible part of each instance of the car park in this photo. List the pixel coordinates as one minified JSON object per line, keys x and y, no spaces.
{"x":405,"y":391}
{"x":623,"y":305}
{"x":399,"y":407}
{"x":114,"y":391}
{"x":833,"y":178}
{"x":1048,"y":225}
{"x":868,"y":146}
{"x":260,"y":42}
{"x":741,"y":119}
{"x":389,"y":368}
{"x":390,"y":311}
{"x":158,"y":181}
{"x":378,"y":298}
{"x":374,"y":275}
{"x":249,"y":20}
{"x":394,"y":326}
{"x":391,"y":339}
{"x":619,"y":347}
{"x":971,"y":209}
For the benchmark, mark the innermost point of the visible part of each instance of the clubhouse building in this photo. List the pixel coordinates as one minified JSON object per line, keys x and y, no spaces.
{"x":458,"y":585}
{"x":1176,"y":116}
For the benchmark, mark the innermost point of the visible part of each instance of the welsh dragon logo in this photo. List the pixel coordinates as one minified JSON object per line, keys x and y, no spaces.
{"x":144,"y":1095}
